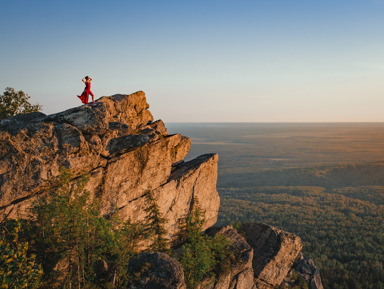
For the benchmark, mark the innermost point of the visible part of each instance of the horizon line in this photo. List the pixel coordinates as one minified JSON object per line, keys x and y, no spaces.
{"x":280,"y":122}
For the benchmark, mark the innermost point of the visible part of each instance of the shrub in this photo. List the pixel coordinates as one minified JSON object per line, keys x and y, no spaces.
{"x":18,"y":269}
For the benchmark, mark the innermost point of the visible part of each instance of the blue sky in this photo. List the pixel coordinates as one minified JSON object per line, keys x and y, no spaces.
{"x":231,"y":61}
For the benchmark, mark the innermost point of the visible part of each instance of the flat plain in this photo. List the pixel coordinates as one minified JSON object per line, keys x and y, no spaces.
{"x":322,"y":181}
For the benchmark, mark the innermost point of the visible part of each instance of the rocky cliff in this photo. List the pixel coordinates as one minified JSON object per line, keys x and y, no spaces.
{"x":126,"y":154}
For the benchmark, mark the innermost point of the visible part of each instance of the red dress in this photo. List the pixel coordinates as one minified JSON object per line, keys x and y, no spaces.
{"x":87,"y":91}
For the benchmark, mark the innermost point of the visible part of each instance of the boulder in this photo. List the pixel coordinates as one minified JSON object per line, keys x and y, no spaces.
{"x":239,"y":275}
{"x":274,"y":252}
{"x":156,"y":270}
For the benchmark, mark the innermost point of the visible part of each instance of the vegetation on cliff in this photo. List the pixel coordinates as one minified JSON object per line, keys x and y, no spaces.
{"x":66,"y":243}
{"x":16,"y":102}
{"x":70,"y":238}
{"x":155,"y":225}
{"x":201,"y":255}
{"x":18,"y":268}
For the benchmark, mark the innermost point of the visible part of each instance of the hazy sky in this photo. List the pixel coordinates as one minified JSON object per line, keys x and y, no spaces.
{"x":262,"y":61}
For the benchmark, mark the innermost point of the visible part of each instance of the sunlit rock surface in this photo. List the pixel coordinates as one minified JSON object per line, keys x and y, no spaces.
{"x":123,"y":150}
{"x":274,"y":252}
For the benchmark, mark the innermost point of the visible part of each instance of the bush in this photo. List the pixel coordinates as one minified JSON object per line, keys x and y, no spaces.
{"x":18,"y":269}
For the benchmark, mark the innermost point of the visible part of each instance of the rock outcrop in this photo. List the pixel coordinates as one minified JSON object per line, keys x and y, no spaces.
{"x":123,"y":150}
{"x":262,"y":257}
{"x":274,"y":252}
{"x":126,"y":154}
{"x":309,"y":272}
{"x":240,"y":274}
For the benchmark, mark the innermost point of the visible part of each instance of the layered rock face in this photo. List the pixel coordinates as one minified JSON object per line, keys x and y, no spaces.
{"x":123,"y":150}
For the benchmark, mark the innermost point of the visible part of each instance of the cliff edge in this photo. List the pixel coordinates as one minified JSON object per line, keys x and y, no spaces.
{"x":125,"y":152}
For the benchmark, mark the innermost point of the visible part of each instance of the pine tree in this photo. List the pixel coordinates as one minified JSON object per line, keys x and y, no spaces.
{"x":202,"y":256}
{"x":68,"y":229}
{"x":155,"y":225}
{"x":127,"y":235}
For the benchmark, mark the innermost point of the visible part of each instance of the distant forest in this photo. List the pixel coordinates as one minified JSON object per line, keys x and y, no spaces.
{"x":323,"y":182}
{"x":342,"y":230}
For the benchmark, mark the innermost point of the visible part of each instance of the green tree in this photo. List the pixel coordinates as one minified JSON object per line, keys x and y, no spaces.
{"x":68,"y":232}
{"x":71,"y":238}
{"x":202,"y":256}
{"x":18,"y":269}
{"x":155,"y":225}
{"x":127,"y":237}
{"x":13,"y":103}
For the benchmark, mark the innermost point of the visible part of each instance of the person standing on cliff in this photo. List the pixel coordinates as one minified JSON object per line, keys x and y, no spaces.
{"x":87,"y":91}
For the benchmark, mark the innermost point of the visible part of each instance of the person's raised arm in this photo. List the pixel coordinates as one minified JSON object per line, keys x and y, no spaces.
{"x":84,"y":80}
